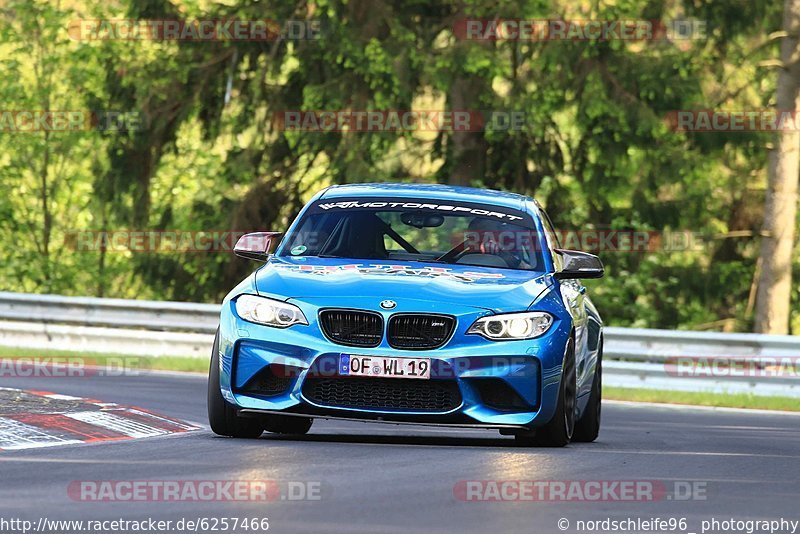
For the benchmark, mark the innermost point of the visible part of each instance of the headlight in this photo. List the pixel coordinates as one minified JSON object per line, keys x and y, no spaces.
{"x":270,"y":312}
{"x":510,"y":326}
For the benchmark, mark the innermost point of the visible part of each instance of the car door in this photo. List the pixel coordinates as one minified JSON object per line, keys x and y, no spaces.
{"x":573,"y":294}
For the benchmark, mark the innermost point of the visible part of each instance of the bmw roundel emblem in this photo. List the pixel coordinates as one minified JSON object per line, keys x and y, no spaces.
{"x":388,"y":304}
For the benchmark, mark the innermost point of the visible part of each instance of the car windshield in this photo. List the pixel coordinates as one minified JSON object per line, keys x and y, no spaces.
{"x":417,"y":230}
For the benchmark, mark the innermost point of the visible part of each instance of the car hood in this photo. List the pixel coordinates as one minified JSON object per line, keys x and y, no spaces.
{"x":499,"y":290}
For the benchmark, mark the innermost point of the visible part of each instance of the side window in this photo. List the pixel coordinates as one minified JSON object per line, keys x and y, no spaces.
{"x":552,"y":238}
{"x":314,"y":232}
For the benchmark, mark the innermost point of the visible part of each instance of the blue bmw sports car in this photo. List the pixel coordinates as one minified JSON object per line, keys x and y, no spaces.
{"x":420,"y":304}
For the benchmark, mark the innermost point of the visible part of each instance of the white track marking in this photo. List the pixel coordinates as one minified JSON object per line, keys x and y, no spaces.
{"x":15,"y":436}
{"x":171,"y":422}
{"x":57,"y":396}
{"x":117,"y":423}
{"x":661,"y":452}
{"x":687,"y":407}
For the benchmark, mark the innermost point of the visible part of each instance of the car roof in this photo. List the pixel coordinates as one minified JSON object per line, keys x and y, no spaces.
{"x":428,"y":192}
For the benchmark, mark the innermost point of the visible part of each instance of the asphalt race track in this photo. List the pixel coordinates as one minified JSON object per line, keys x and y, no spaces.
{"x":387,"y":478}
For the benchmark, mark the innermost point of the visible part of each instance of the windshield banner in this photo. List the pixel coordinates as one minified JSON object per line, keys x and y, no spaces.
{"x":439,"y":207}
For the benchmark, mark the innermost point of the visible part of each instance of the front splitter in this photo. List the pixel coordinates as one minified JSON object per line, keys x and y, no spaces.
{"x":379,"y":419}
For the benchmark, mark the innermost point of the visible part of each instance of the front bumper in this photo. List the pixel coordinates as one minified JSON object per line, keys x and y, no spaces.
{"x":508,"y":384}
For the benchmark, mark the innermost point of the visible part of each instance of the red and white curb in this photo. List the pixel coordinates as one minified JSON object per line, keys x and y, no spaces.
{"x":94,"y":421}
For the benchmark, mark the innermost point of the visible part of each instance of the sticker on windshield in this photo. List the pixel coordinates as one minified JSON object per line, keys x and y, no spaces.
{"x":299,"y":249}
{"x":465,"y":208}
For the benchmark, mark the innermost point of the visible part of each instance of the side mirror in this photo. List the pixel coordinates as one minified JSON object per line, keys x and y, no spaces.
{"x":576,"y":264}
{"x":255,"y":246}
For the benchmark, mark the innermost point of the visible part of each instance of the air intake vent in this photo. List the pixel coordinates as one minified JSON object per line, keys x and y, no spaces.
{"x":351,"y":327}
{"x":497,"y":394}
{"x":416,"y":331}
{"x":383,"y":393}
{"x":268,"y":384}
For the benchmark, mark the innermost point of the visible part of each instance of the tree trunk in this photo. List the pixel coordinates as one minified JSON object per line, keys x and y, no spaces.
{"x":47,"y":216}
{"x":775,"y":283}
{"x":467,"y":148}
{"x":466,"y":156}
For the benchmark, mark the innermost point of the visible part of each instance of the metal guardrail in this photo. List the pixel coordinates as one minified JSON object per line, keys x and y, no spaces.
{"x":635,"y":357}
{"x":114,"y":313}
{"x":658,"y":346}
{"x":656,"y":376}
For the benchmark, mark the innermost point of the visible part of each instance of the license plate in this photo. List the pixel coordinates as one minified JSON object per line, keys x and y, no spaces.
{"x":357,"y":365}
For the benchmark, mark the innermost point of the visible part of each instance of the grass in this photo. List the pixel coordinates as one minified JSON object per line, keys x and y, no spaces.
{"x":727,"y":400}
{"x":116,"y":361}
{"x":200,"y":365}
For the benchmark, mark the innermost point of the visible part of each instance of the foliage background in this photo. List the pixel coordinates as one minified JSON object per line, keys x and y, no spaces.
{"x":595,"y":150}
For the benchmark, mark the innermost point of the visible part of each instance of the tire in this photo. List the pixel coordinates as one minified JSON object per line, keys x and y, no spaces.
{"x":221,"y":415}
{"x":287,"y":424}
{"x":588,"y":426}
{"x":559,"y":430}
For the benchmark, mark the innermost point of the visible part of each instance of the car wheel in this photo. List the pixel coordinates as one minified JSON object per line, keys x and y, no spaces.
{"x":588,"y":426}
{"x":287,"y":424}
{"x":558,"y":431}
{"x":221,"y":415}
